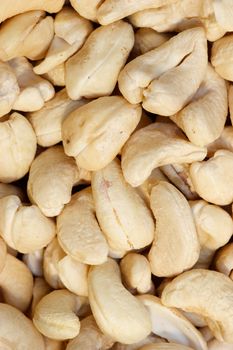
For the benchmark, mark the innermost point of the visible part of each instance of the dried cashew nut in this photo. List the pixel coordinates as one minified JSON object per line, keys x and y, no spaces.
{"x":213,"y":179}
{"x":221,"y":57}
{"x":166,"y":86}
{"x":124,"y":319}
{"x":40,"y":289}
{"x":78,"y":231}
{"x":223,"y":260}
{"x":193,"y":291}
{"x":52,"y":255}
{"x":9,"y":88}
{"x":164,"y":346}
{"x":153,"y":146}
{"x":95,"y":133}
{"x":147,"y":39}
{"x":16,"y":152}
{"x":98,"y":63}
{"x":34,"y":262}
{"x":176,"y":247}
{"x":87,"y":9}
{"x":225,"y":141}
{"x":56,"y":75}
{"x":223,"y":12}
{"x":51,"y":178}
{"x":56,"y":317}
{"x":123,"y":216}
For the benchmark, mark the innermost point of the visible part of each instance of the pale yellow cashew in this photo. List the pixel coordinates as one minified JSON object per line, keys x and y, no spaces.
{"x":223,"y":11}
{"x":225,"y":141}
{"x":34,"y":262}
{"x":56,"y":75}
{"x":9,"y":88}
{"x":87,"y":9}
{"x":223,"y":261}
{"x":221,"y":57}
{"x":52,"y":255}
{"x":147,"y":39}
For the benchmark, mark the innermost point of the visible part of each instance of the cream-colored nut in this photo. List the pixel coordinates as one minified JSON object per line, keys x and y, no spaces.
{"x":122,"y":214}
{"x":203,"y":119}
{"x":90,"y":337}
{"x":51,"y":178}
{"x":16,"y":283}
{"x":56,"y":76}
{"x":213,"y":29}
{"x":196,"y":320}
{"x":225,"y":141}
{"x":221,"y":57}
{"x":93,"y":71}
{"x":52,"y":255}
{"x":230,"y":98}
{"x":147,"y":39}
{"x":152,"y":338}
{"x":87,"y":9}
{"x":28,"y":34}
{"x":9,"y":189}
{"x":48,"y":120}
{"x":40,"y":289}
{"x":113,"y":10}
{"x":95,"y":133}
{"x":73,"y":275}
{"x":213,"y":179}
{"x":16,"y":152}
{"x":218,"y":345}
{"x":71,"y":31}
{"x":223,"y":11}
{"x":178,"y":175}
{"x":11,"y":9}
{"x":3,"y":253}
{"x":170,"y":324}
{"x":224,"y":260}
{"x":165,"y":82}
{"x":153,"y":146}
{"x":34,"y":90}
{"x":214,"y":228}
{"x":24,"y":227}
{"x":176,"y":247}
{"x":193,"y":291}
{"x":9,"y":88}
{"x":55,"y":315}
{"x":136,"y":273}
{"x":17,"y":331}
{"x":78,"y":231}
{"x":34,"y":262}
{"x":164,"y":346}
{"x":124,"y":319}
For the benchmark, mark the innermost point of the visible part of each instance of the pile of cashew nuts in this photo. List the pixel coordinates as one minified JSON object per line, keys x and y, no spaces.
{"x":116,"y":175}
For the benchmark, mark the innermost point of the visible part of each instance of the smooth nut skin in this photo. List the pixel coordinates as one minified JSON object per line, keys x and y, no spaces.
{"x":17,"y":331}
{"x":213,"y":179}
{"x":16,"y":152}
{"x":165,"y":87}
{"x":51,"y":178}
{"x":9,"y":88}
{"x":78,"y":231}
{"x":147,"y":39}
{"x":221,"y":54}
{"x":223,"y":260}
{"x":87,"y":10}
{"x":55,"y":309}
{"x":98,"y":63}
{"x":34,"y":262}
{"x":124,"y":318}
{"x":175,"y":247}
{"x":3,"y":253}
{"x":163,"y":346}
{"x":9,"y":189}
{"x":123,"y":216}
{"x":153,"y":146}
{"x":52,"y":255}
{"x":223,"y":11}
{"x":56,"y":75}
{"x":193,"y":291}
{"x":95,"y":133}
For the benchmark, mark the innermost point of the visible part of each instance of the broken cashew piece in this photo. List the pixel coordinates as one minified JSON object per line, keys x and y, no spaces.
{"x":124,"y":319}
{"x":193,"y":291}
{"x":153,"y":146}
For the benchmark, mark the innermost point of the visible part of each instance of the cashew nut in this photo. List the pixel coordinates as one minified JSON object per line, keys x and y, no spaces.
{"x":34,"y":262}
{"x":9,"y":189}
{"x":224,"y":260}
{"x":147,"y":39}
{"x":164,"y":346}
{"x":40,"y":289}
{"x":221,"y":57}
{"x":87,"y":9}
{"x":225,"y":141}
{"x":56,"y":75}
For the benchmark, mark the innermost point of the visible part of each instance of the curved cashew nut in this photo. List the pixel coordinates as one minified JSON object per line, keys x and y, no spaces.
{"x":56,"y":317}
{"x":99,"y":61}
{"x":9,"y":88}
{"x":124,"y":318}
{"x":51,"y":178}
{"x":214,"y":228}
{"x":95,"y":133}
{"x":34,"y":262}
{"x":52,"y":255}
{"x":153,"y":146}
{"x":224,"y":260}
{"x":221,"y":57}
{"x":164,"y":346}
{"x":176,"y":247}
{"x":162,"y":86}
{"x":121,"y":212}
{"x":78,"y":231}
{"x":213,"y":179}
{"x":147,"y":39}
{"x":16,"y":152}
{"x":87,"y":10}
{"x":193,"y":291}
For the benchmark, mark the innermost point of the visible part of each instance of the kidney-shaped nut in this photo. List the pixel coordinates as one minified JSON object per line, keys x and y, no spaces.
{"x":34,"y":262}
{"x":90,"y":337}
{"x":165,"y":346}
{"x":193,"y":291}
{"x":28,"y":34}
{"x":213,"y":179}
{"x":176,"y":247}
{"x":221,"y":57}
{"x":24,"y":227}
{"x":123,"y":216}
{"x":124,"y":318}
{"x":170,"y":324}
{"x":153,"y":146}
{"x":223,"y":260}
{"x":16,"y":151}
{"x":55,"y":315}
{"x":51,"y":178}
{"x":16,"y":283}
{"x":78,"y":231}
{"x":95,"y":133}
{"x":203,"y":119}
{"x":147,"y":39}
{"x":214,"y":228}
{"x":165,"y":82}
{"x":17,"y":331}
{"x":9,"y":88}
{"x":93,"y":71}
{"x":52,"y":255}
